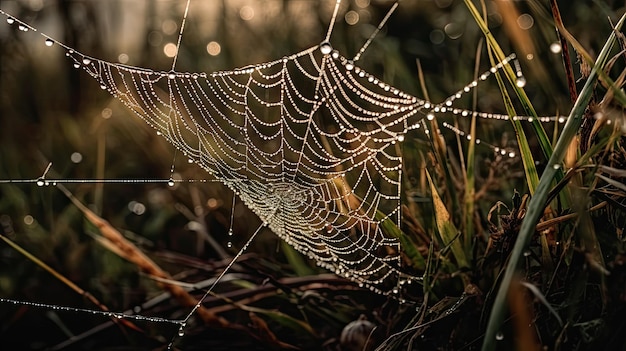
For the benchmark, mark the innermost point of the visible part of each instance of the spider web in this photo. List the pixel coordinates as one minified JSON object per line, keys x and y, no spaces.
{"x":309,"y":142}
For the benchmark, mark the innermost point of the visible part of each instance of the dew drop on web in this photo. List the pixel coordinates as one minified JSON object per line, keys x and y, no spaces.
{"x":326,"y":48}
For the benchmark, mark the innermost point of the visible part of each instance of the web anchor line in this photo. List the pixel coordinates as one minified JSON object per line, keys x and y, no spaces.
{"x":183,"y":323}
{"x":118,"y":315}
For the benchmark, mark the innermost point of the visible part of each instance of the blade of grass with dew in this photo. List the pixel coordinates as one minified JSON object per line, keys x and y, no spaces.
{"x":530,"y":171}
{"x":447,"y":230}
{"x":537,"y":202}
{"x":544,"y":142}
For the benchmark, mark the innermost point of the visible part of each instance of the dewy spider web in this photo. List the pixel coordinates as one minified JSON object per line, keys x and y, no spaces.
{"x":308,"y":142}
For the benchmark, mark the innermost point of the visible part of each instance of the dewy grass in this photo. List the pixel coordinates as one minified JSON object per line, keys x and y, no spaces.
{"x":544,"y":142}
{"x":537,"y":203}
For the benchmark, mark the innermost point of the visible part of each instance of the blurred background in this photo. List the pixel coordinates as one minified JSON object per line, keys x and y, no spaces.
{"x":51,"y":112}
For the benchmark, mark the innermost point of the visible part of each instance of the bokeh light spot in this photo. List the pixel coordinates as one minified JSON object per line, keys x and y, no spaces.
{"x":213,"y":48}
{"x":525,"y":21}
{"x":170,"y":49}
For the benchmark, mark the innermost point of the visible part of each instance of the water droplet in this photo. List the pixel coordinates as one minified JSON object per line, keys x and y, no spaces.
{"x":86,"y":61}
{"x":526,"y":253}
{"x":22,"y":28}
{"x":400,"y":138}
{"x":230,"y":232}
{"x":158,"y":133}
{"x":76,"y":65}
{"x":349,"y":65}
{"x":326,"y":48}
{"x":189,"y":160}
{"x":229,"y":244}
{"x":103,"y":86}
{"x":49,"y":42}
{"x":500,"y":336}
{"x":40,"y":182}
{"x":171,"y":75}
{"x":181,"y":331}
{"x":430,"y":116}
{"x":170,"y":182}
{"x":10,"y":20}
{"x":520,"y":82}
{"x":556,"y":166}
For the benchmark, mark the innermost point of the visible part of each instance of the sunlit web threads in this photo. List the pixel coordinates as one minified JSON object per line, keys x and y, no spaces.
{"x":218,"y":120}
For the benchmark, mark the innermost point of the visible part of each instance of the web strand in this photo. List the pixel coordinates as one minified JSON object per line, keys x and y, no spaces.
{"x":118,"y":315}
{"x":332,"y":21}
{"x":184,"y":322}
{"x":376,"y":31}
{"x":180,"y":34}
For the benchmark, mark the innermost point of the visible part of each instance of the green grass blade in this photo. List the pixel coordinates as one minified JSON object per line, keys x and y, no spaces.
{"x":408,"y":247}
{"x":530,"y":171}
{"x":542,"y":137}
{"x":447,"y":230}
{"x":536,"y":205}
{"x":296,"y":261}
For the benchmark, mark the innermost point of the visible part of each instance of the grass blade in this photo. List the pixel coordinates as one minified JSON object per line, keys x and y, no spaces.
{"x":543,"y":140}
{"x":447,"y":230}
{"x":536,"y":206}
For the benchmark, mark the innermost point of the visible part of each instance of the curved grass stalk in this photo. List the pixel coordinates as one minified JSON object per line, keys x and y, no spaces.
{"x":544,"y":141}
{"x":536,"y":205}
